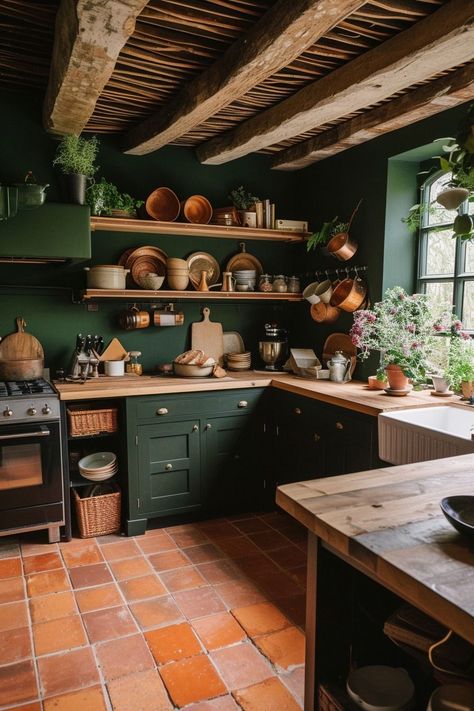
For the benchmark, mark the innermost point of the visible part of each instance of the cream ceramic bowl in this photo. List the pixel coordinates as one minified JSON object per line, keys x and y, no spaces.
{"x":309,"y":293}
{"x":452,"y":697}
{"x":106,"y":276}
{"x":381,"y":688}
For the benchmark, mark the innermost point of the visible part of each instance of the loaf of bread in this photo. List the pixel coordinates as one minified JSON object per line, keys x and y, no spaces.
{"x":195,"y":357}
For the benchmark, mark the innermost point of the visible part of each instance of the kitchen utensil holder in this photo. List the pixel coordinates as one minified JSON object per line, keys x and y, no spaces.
{"x":90,"y":422}
{"x":98,"y":515}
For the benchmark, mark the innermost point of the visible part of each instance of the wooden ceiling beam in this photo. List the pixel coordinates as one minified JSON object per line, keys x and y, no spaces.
{"x":441,"y":94}
{"x":89,"y":35}
{"x":441,"y":41}
{"x":279,"y":37}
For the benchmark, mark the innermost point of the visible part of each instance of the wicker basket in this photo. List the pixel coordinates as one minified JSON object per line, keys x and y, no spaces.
{"x":91,"y":422}
{"x":98,"y":515}
{"x":333,"y":698}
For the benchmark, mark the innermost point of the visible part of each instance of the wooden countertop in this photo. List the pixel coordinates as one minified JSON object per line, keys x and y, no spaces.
{"x":388,"y":524}
{"x":353,"y":396}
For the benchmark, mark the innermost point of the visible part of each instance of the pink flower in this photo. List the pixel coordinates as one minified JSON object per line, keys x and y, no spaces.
{"x":457,"y":325}
{"x":415,"y":345}
{"x":439,"y":327}
{"x":465,"y":335}
{"x":371,"y":318}
{"x":393,"y":310}
{"x":411,"y":328}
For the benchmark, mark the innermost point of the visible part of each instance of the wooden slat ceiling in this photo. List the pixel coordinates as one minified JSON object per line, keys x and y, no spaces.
{"x":176,"y":40}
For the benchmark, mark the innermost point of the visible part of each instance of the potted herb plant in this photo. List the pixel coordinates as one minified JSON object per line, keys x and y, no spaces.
{"x":460,"y":368}
{"x":104,"y":198}
{"x":244,"y":201}
{"x":75,"y":157}
{"x":460,"y":162}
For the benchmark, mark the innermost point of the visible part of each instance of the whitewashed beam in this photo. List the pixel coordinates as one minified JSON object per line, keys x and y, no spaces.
{"x":443,"y":40}
{"x":89,"y":35}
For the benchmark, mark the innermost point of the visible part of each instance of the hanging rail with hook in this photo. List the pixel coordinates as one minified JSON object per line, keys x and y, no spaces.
{"x":336,"y":272}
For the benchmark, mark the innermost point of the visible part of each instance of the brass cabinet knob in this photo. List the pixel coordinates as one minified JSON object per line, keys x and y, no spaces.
{"x":208,"y":426}
{"x":317,"y":437}
{"x":162,"y":411}
{"x":243,"y":403}
{"x":168,"y":467}
{"x":297,"y":411}
{"x":339,"y":426}
{"x":195,"y":428}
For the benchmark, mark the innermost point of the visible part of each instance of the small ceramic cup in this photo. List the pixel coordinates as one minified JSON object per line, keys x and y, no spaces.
{"x":441,"y":385}
{"x":114,"y":367}
{"x":324,"y":291}
{"x":309,"y":293}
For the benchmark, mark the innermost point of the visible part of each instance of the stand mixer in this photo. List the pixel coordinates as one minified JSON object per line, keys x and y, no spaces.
{"x":273,"y":347}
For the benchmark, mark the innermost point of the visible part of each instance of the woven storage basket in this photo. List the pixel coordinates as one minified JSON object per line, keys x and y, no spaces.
{"x":98,"y":515}
{"x":332,"y":698}
{"x":90,"y":422}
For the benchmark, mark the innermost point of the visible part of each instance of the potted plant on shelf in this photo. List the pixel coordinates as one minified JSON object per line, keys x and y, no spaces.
{"x":104,"y":198}
{"x":460,"y":162}
{"x":244,"y":201}
{"x":75,"y":157}
{"x":403,"y":328}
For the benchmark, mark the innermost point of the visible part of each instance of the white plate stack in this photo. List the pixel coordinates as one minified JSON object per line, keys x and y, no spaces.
{"x":98,"y":466}
{"x":239,"y":361}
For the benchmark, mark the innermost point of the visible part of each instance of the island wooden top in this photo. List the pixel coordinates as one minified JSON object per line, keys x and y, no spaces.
{"x":353,"y":396}
{"x":388,"y":524}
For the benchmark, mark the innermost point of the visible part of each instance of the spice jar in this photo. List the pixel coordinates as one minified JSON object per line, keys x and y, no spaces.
{"x":279,"y":283}
{"x":294,"y":286}
{"x":133,"y":366}
{"x":265,"y":283}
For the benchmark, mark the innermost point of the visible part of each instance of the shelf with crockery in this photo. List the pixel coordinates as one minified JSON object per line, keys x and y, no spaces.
{"x":168,"y":295}
{"x":116,"y":224}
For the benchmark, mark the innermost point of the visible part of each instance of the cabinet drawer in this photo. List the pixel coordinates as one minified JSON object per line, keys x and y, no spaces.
{"x":171,"y":407}
{"x":239,"y":401}
{"x":165,"y":408}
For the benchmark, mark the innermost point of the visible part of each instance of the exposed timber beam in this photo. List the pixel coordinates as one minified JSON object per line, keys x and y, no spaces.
{"x":443,"y":40}
{"x":281,"y":35}
{"x":89,"y":35}
{"x":427,"y":100}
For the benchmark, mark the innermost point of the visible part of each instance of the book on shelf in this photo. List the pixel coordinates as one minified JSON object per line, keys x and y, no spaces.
{"x":291,"y":225}
{"x":272,"y":216}
{"x":259,"y":212}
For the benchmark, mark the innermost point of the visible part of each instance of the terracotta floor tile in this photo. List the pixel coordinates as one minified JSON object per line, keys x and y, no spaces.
{"x":298,"y":537}
{"x":251,"y":525}
{"x":82,"y":555}
{"x":288,"y":557}
{"x":238,"y":547}
{"x":87,"y":575}
{"x":223,"y":703}
{"x":108,"y":624}
{"x":9,"y":548}
{"x":13,"y":615}
{"x":268,"y":540}
{"x":40,"y":563}
{"x":172,"y":643}
{"x":15,"y":645}
{"x":219,"y":630}
{"x":182,"y":579}
{"x":190,"y":537}
{"x":142,"y":588}
{"x":33,"y":706}
{"x":216,"y":530}
{"x":294,"y":607}
{"x":51,"y":581}
{"x":10,"y":568}
{"x":299,"y":576}
{"x":139,"y":692}
{"x":11,"y":589}
{"x":130,"y":568}
{"x":220,"y":571}
{"x":156,"y":543}
{"x":124,"y":549}
{"x":34,"y":548}
{"x":124,"y":656}
{"x":241,"y":665}
{"x":204,"y":553}
{"x":18,"y":683}
{"x":156,"y":613}
{"x":278,"y":585}
{"x":193,"y":679}
{"x":294,"y":680}
{"x":270,"y":695}
{"x":239,"y":593}
{"x":168,"y":560}
{"x":89,"y":599}
{"x":262,"y":618}
{"x":60,"y":673}
{"x":255,"y":566}
{"x":109,"y":538}
{"x":199,"y":602}
{"x":51,"y":607}
{"x":285,"y":648}
{"x":57,"y":635}
{"x":91,"y":699}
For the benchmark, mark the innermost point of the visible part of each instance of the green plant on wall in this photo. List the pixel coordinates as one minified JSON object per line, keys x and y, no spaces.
{"x":416,"y":213}
{"x":103,"y":197}
{"x":77,"y":155}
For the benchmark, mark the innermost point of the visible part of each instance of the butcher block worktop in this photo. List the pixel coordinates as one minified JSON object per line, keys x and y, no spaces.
{"x":388,"y":524}
{"x":353,"y":396}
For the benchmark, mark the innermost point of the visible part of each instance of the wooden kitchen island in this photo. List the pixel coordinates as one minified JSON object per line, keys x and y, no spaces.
{"x":386,"y":524}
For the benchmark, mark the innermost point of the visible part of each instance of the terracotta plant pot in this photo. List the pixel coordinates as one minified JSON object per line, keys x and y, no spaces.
{"x":467,"y":388}
{"x":397,"y":379}
{"x":375,"y":384}
{"x":451,"y":198}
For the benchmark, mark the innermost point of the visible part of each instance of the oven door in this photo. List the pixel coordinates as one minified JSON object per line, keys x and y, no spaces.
{"x":30,"y":465}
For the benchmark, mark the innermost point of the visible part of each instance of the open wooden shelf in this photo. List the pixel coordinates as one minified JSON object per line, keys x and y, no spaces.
{"x":146,"y":295}
{"x":117,"y":224}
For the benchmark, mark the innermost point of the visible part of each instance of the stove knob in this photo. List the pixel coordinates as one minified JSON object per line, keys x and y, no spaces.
{"x":7,"y":412}
{"x":31,"y":411}
{"x":46,"y":410}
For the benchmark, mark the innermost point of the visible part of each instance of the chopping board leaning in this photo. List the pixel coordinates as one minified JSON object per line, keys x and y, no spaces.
{"x":207,"y":336}
{"x":20,"y":345}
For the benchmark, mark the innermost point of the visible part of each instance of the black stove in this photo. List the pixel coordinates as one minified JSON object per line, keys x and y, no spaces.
{"x":27,"y":400}
{"x":17,"y":388}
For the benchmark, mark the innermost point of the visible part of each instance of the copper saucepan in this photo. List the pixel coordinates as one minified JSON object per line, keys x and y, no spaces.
{"x":349,"y":294}
{"x":324,"y":313}
{"x":342,"y":246}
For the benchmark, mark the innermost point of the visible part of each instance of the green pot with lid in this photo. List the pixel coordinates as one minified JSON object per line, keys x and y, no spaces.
{"x":30,"y":193}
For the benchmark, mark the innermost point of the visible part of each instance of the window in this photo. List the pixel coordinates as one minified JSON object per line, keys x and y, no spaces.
{"x":445,"y":265}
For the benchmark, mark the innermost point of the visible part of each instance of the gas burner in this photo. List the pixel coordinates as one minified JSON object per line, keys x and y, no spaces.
{"x":17,"y":388}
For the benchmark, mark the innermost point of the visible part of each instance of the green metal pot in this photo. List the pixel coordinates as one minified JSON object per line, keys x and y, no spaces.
{"x":30,"y":194}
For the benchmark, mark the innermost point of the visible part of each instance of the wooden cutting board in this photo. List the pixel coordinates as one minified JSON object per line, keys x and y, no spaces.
{"x":20,"y":345}
{"x":207,"y":336}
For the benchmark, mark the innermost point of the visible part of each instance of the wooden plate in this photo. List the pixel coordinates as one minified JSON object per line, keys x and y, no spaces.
{"x":202,"y":261}
{"x":340,"y":342}
{"x":146,"y":265}
{"x":244,"y":260}
{"x":123,"y":257}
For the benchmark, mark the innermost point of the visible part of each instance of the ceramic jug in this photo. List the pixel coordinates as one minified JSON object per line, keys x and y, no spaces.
{"x":339,"y":368}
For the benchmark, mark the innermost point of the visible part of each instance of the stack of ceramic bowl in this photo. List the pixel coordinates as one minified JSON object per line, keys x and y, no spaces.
{"x":98,"y":466}
{"x":245,"y":279}
{"x":177,"y":271}
{"x":239,"y":361}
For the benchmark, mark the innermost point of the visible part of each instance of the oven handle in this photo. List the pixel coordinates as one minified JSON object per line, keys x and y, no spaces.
{"x":23,"y":435}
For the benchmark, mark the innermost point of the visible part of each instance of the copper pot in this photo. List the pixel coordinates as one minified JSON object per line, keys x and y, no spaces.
{"x":134,"y":318}
{"x":324,"y":313}
{"x":349,"y":294}
{"x":342,"y":246}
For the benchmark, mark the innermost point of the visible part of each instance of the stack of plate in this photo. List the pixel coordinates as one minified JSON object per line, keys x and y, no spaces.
{"x":239,"y":361}
{"x":98,"y":466}
{"x":144,"y":260}
{"x":245,"y":277}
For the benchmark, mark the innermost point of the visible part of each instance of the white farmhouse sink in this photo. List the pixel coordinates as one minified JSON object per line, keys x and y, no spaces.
{"x":426,"y":433}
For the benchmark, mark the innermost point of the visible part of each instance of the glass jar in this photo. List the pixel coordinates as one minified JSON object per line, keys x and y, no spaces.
{"x":294,"y":286}
{"x":279,"y":283}
{"x":133,"y":366}
{"x":265,"y":283}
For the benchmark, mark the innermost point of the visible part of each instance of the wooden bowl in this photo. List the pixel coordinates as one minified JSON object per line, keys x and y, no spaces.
{"x":324,"y":313}
{"x":197,"y":209}
{"x":162,"y":204}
